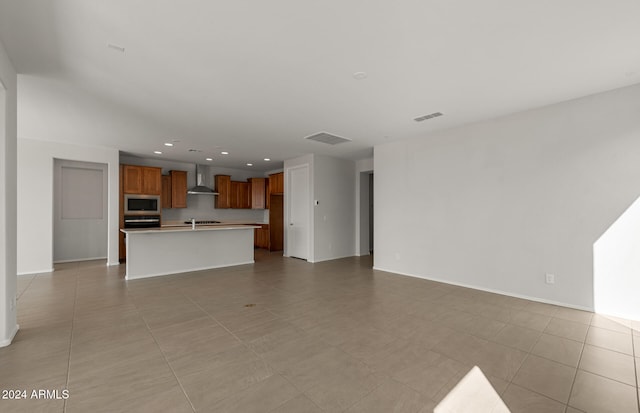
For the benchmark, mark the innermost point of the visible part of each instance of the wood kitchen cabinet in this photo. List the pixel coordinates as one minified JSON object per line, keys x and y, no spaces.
{"x":174,"y":190}
{"x":141,"y":180}
{"x":178,"y":189}
{"x":240,"y":195}
{"x":223,"y":188}
{"x":244,"y":195}
{"x":258,"y":193}
{"x":261,"y":236}
{"x":276,"y":223}
{"x":276,"y":183}
{"x":166,"y":191}
{"x":131,"y":179}
{"x":151,"y":180}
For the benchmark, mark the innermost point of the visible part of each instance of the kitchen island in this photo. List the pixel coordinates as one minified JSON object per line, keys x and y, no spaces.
{"x":170,"y":250}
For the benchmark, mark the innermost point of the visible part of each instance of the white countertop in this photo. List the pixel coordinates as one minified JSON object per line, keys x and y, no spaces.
{"x":187,"y":228}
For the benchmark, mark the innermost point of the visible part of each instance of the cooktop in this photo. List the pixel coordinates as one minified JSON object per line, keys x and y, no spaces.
{"x":203,"y":222}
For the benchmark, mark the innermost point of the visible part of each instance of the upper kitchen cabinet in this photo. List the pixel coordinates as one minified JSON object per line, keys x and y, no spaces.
{"x":151,"y":180}
{"x":146,"y":180}
{"x":132,"y":179}
{"x":258,"y":192}
{"x":166,"y":191}
{"x":178,"y":189}
{"x":223,"y":188}
{"x":240,"y":195}
{"x":276,"y":183}
{"x":174,"y":190}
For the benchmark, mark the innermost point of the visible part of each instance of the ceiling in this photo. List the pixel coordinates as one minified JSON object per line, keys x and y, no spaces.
{"x":255,"y":77}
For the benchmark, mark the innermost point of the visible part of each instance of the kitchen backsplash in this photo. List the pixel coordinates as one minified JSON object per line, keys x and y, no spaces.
{"x":201,"y":207}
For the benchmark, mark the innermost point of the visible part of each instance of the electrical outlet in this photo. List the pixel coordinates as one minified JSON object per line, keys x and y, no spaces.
{"x":12,"y":305}
{"x":550,"y":279}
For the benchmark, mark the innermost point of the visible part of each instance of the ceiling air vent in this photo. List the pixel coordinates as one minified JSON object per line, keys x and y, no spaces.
{"x":429,"y":116}
{"x":327,"y":138}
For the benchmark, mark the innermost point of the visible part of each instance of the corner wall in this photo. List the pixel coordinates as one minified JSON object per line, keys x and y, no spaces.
{"x":35,"y":217}
{"x":334,"y":216}
{"x":8,"y":206}
{"x":496,"y":205}
{"x":331,"y":222}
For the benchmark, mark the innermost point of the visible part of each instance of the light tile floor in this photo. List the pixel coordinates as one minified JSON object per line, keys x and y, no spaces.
{"x":284,"y":335}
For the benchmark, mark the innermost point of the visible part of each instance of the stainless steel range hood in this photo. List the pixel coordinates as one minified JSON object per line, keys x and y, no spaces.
{"x":200,"y":189}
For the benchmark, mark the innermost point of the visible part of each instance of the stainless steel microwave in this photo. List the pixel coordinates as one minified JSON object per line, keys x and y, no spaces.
{"x":141,"y":204}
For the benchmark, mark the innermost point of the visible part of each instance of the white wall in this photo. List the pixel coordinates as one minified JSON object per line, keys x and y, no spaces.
{"x":616,"y":266}
{"x":202,"y":206}
{"x":332,"y":222}
{"x":334,"y":216}
{"x":8,"y":134}
{"x":498,"y":204}
{"x":35,"y":217}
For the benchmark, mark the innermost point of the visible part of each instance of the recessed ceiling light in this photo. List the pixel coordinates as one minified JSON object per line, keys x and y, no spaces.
{"x":209,"y":159}
{"x":267,"y":159}
{"x":249,"y":164}
{"x":224,"y":153}
{"x":360,"y":75}
{"x":169,"y":144}
{"x":157,"y":152}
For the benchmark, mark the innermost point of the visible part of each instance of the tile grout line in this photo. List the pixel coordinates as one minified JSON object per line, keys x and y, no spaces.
{"x":164,"y":357}
{"x":635,"y":365}
{"x":27,"y":287}
{"x":240,"y":341}
{"x":573,"y":383}
{"x":256,"y":354}
{"x":73,"y":319}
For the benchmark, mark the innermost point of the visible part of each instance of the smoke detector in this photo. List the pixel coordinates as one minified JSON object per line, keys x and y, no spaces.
{"x":327,"y":138}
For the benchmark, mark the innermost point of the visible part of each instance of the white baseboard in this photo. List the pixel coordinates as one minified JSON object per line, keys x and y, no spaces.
{"x":333,"y":258}
{"x":490,"y":290}
{"x":160,"y":274}
{"x":80,"y":260}
{"x":36,"y":272}
{"x":6,"y":342}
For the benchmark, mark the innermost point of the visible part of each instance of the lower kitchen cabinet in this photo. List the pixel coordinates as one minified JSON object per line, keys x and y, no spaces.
{"x":261,"y":236}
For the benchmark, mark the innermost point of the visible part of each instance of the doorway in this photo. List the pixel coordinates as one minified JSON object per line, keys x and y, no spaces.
{"x":298,"y":212}
{"x":371,"y":213}
{"x":365,"y":230}
{"x":80,"y":230}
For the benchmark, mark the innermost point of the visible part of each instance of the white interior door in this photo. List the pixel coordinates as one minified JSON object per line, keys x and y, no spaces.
{"x":298,"y":222}
{"x":80,"y":211}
